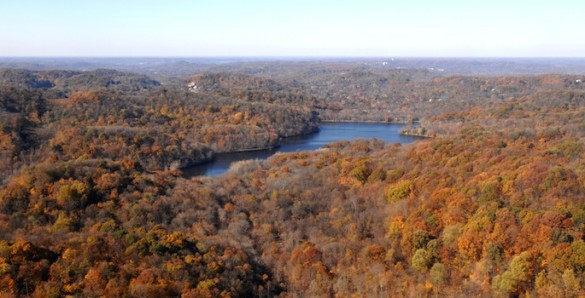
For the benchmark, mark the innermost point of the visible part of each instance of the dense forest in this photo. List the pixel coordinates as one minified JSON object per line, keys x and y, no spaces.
{"x":349,"y":92}
{"x":93,"y":203}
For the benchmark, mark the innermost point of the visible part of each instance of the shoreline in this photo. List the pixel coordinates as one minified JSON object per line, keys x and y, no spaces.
{"x":370,"y":121}
{"x":268,"y":149}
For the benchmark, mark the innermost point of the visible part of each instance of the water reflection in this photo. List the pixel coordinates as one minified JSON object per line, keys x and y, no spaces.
{"x":329,"y":132}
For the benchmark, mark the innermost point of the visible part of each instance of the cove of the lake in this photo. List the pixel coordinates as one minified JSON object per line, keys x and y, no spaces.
{"x":328,"y":132}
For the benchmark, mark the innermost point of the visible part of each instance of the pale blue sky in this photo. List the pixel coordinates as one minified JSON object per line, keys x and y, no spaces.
{"x":415,"y":28}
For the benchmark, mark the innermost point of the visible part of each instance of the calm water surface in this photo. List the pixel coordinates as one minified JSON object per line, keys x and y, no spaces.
{"x":329,"y":132}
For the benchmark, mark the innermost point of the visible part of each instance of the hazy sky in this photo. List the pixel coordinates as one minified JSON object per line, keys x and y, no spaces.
{"x":437,"y":28}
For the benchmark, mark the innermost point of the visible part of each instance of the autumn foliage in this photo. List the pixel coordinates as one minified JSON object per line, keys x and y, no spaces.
{"x":92,"y":201}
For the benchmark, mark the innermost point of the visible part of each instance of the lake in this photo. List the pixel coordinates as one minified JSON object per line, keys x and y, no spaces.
{"x":328,"y":132}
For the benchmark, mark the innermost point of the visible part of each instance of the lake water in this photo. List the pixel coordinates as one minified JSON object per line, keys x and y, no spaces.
{"x":328,"y":132}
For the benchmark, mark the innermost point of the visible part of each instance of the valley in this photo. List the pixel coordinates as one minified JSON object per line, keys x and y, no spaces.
{"x":101,"y":192}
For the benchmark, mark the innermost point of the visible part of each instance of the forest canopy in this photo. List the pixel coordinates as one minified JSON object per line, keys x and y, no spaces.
{"x":93,"y":203}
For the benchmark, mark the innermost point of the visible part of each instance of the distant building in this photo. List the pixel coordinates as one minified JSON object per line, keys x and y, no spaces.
{"x":192,"y":86}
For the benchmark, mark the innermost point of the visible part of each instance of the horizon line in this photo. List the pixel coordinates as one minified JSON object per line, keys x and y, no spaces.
{"x":287,"y":57}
